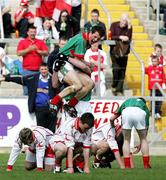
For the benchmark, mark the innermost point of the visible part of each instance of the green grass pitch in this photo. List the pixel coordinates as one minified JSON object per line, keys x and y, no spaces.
{"x":158,"y":171}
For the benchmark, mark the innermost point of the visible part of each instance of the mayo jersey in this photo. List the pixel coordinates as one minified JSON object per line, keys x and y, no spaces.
{"x":41,"y":137}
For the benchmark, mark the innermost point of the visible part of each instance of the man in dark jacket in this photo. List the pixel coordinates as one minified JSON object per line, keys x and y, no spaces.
{"x":40,"y":91}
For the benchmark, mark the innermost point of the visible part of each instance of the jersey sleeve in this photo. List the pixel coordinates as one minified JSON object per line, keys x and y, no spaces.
{"x":88,"y":140}
{"x":16,"y":149}
{"x":40,"y":149}
{"x":109,"y":134}
{"x":68,"y":137}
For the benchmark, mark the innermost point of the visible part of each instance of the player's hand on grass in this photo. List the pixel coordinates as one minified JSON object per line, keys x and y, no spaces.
{"x":86,"y":170}
{"x":69,"y":170}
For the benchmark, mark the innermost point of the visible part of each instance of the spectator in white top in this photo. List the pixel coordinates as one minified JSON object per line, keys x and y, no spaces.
{"x":92,"y":55}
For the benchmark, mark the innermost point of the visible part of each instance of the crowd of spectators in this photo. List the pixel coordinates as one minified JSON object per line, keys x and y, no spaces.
{"x":37,"y":30}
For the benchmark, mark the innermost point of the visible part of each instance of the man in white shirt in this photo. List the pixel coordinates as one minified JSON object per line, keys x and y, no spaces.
{"x":38,"y":152}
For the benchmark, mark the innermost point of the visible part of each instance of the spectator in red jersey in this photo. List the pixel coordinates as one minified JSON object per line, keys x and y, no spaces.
{"x":158,"y":52}
{"x":155,"y":75}
{"x":32,"y":50}
{"x":23,"y":18}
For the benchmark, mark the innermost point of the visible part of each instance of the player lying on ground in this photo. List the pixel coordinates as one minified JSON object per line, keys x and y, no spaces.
{"x":38,"y":152}
{"x":73,"y":70}
{"x":76,"y":139}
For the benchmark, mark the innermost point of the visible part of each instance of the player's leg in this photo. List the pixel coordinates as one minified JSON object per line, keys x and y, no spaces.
{"x":87,"y":85}
{"x":98,"y":149}
{"x":30,"y":160}
{"x":144,"y":148}
{"x":49,"y":160}
{"x":60,"y":150}
{"x":69,"y":76}
{"x":126,"y":147}
{"x":142,"y":130}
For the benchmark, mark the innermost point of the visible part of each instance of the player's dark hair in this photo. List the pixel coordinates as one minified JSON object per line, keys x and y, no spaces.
{"x":25,"y":136}
{"x":98,"y":29}
{"x":95,"y":11}
{"x":158,"y":46}
{"x":43,"y":64}
{"x":87,"y":118}
{"x":31,"y":27}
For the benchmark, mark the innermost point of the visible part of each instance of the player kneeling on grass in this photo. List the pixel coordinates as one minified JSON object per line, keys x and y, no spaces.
{"x":38,"y":152}
{"x":134,"y":113}
{"x":76,"y":139}
{"x":71,"y":68}
{"x":109,"y":156}
{"x":103,"y":139}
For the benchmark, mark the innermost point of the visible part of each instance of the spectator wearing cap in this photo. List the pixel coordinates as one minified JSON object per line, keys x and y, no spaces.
{"x":23,"y":18}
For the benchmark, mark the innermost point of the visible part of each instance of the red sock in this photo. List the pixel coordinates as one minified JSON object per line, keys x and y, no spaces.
{"x":58,"y":162}
{"x":127,"y":162}
{"x":67,"y":164}
{"x":73,"y":101}
{"x":96,"y":160}
{"x":79,"y":162}
{"x":146,"y":161}
{"x":56,"y":100}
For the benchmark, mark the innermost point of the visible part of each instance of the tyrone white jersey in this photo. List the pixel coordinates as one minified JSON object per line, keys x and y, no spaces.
{"x":72,"y":135}
{"x":105,"y":132}
{"x":82,"y":107}
{"x":41,"y":138}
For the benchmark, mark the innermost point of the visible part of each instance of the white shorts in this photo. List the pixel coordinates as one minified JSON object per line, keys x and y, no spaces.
{"x":64,"y":70}
{"x":82,"y":107}
{"x":133,"y":117}
{"x":30,"y":156}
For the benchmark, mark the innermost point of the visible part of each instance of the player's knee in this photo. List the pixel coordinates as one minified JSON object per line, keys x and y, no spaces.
{"x":89,"y":84}
{"x":29,"y":167}
{"x":77,"y":87}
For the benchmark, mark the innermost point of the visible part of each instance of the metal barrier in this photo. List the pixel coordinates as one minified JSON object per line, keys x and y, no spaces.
{"x":1,"y":23}
{"x":157,"y":13}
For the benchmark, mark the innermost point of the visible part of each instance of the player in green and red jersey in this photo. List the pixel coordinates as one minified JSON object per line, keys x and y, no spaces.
{"x":73,"y":70}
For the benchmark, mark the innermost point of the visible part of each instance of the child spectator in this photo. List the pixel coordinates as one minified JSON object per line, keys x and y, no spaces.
{"x":47,"y":32}
{"x":92,"y":56}
{"x":155,"y":74}
{"x":158,"y":52}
